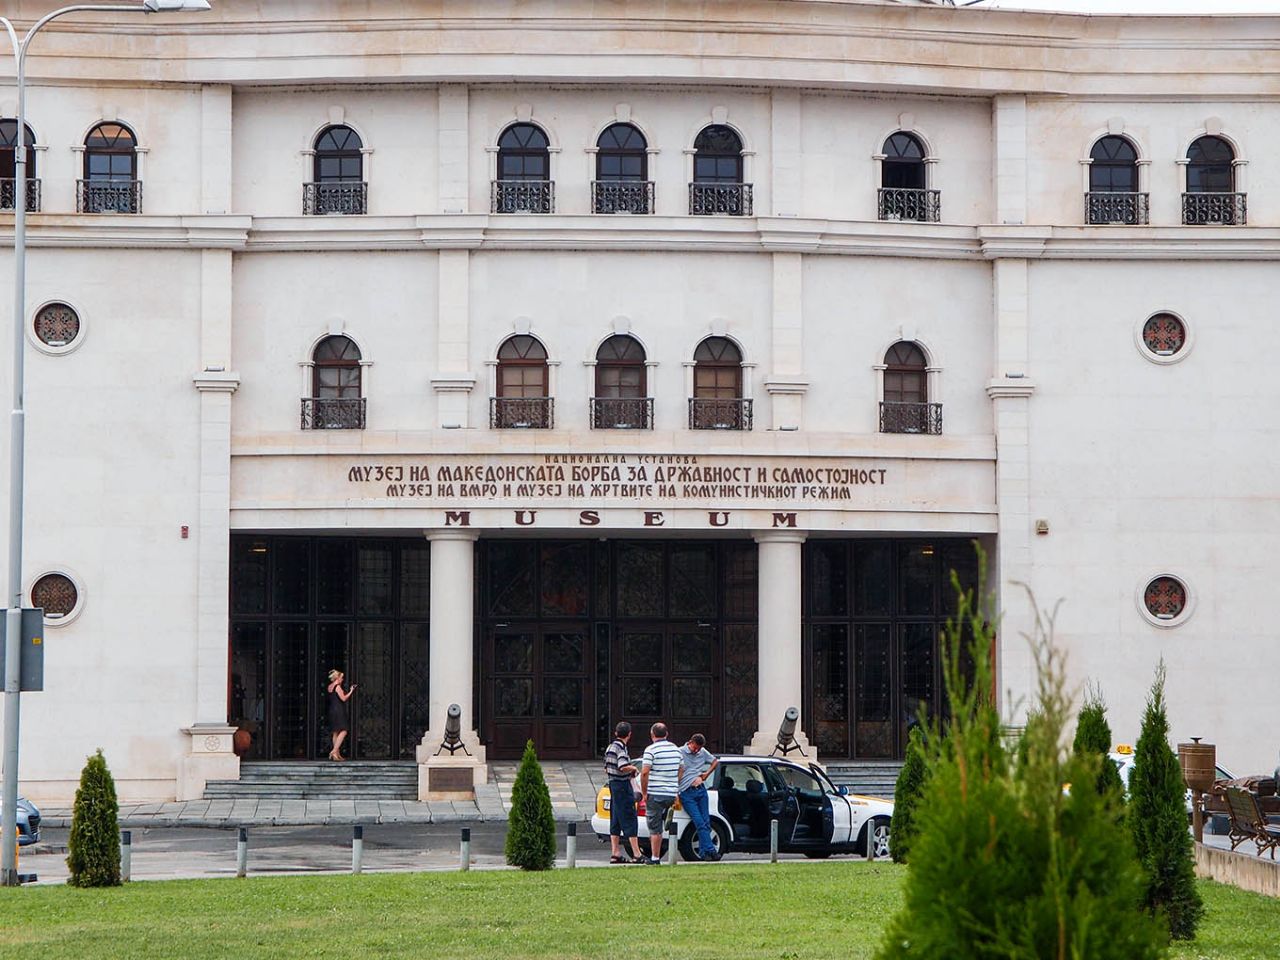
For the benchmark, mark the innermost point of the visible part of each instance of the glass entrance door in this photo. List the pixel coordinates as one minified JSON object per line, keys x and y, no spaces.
{"x":539,"y":687}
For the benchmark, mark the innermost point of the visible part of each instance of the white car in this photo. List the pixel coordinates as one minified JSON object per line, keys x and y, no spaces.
{"x":815,"y":817}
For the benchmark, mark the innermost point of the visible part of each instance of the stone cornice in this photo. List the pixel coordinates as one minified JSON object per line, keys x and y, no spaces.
{"x":1019,"y":387}
{"x":217,"y":381}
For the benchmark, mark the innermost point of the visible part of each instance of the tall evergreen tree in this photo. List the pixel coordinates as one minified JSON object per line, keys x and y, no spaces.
{"x":906,"y":797}
{"x":531,"y":824}
{"x":1093,"y":738}
{"x":1006,"y":864}
{"x":1158,"y":819}
{"x":93,"y":851}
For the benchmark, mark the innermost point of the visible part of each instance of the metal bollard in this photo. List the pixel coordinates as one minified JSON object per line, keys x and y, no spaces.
{"x":773,"y":841}
{"x":464,"y":850}
{"x":242,"y":853}
{"x":871,"y":841}
{"x":571,"y":847}
{"x":671,"y":842}
{"x":126,"y":855}
{"x":357,"y":848}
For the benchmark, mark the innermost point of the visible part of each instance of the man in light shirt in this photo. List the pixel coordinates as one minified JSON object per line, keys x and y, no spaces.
{"x":696,"y":764}
{"x":659,"y":785}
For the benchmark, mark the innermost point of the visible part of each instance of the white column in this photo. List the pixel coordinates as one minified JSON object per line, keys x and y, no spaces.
{"x":785,"y":139}
{"x":1010,"y":121}
{"x":215,"y":149}
{"x":453,"y":381}
{"x":451,"y":677}
{"x":786,"y":383}
{"x":781,"y":651}
{"x":452,"y":168}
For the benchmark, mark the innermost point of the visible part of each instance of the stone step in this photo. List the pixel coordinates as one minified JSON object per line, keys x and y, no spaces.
{"x":229,"y":790}
{"x":876,"y":778}
{"x":319,"y":780}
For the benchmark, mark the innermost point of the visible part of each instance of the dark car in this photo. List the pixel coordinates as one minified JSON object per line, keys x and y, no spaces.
{"x":28,"y":822}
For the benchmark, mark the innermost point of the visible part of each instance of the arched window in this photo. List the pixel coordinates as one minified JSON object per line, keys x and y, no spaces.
{"x":523,"y":398}
{"x":1211,"y":195}
{"x":9,"y":171}
{"x":621,"y":398}
{"x":622,"y":182}
{"x":717,"y":402}
{"x":718,"y":172}
{"x":1113,"y":183}
{"x":903,"y":178}
{"x":335,"y":402}
{"x":524,"y":171}
{"x":338,"y":170}
{"x":906,"y":407}
{"x":110,"y":183}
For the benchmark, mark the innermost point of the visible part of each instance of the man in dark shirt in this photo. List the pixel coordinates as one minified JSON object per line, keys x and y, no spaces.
{"x":622,"y":798}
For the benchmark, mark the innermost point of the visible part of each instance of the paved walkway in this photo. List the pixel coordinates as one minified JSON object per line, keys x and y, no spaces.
{"x":573,"y":788}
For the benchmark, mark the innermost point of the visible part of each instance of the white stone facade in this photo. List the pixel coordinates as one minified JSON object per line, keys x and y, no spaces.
{"x":174,"y":419}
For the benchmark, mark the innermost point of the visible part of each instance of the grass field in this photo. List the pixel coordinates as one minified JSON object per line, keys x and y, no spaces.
{"x":785,"y":912}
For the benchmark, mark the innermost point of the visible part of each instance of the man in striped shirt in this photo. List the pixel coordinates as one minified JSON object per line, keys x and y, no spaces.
{"x":659,"y":784}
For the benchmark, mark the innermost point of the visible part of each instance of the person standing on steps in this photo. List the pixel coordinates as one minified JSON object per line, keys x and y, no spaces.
{"x":659,"y":780}
{"x":337,"y":703}
{"x":623,"y":826}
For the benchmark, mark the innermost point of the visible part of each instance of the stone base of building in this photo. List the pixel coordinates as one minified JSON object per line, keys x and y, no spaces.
{"x":210,"y":756}
{"x":765,"y":743}
{"x":450,"y":776}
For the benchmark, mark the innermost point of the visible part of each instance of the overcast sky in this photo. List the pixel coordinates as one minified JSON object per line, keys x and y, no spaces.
{"x":1143,"y":6}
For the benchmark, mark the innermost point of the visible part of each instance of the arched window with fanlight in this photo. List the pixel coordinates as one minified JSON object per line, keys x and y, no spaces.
{"x":622,"y":183}
{"x":523,"y":390}
{"x":524,"y":182}
{"x":1114,"y":196}
{"x":336,"y":402}
{"x":719,"y":170}
{"x":9,"y":191}
{"x":1211,"y":196}
{"x":110,"y":183}
{"x":621,"y":399}
{"x":904,"y":405}
{"x":904,"y":193}
{"x":338,"y":183}
{"x":718,"y":402}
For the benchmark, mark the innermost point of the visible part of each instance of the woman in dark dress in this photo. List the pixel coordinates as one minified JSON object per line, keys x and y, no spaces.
{"x":337,"y":703}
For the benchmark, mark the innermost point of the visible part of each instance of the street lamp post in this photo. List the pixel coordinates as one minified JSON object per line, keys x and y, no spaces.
{"x":17,"y":417}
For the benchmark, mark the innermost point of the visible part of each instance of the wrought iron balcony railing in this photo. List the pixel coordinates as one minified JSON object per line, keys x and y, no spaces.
{"x":910,"y":417}
{"x":333,"y":413}
{"x":614,"y":413}
{"x":9,"y":193}
{"x":523,"y":196}
{"x":1223,"y":209}
{"x":719,"y":414}
{"x":347,"y":197}
{"x":1113,"y":208}
{"x":622,"y":196}
{"x":727,"y":199}
{"x":521,"y":413}
{"x":900,"y":203}
{"x":108,"y":196}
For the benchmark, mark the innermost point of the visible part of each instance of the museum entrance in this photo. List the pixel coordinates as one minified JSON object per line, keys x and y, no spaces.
{"x":874,"y":615}
{"x":577,"y":635}
{"x":301,"y":606}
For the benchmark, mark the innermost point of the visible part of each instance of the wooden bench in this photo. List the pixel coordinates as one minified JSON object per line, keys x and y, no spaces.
{"x":1248,"y":823}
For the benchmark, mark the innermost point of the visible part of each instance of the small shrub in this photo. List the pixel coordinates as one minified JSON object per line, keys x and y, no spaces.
{"x":906,"y":797}
{"x":93,"y":852}
{"x":531,"y":825}
{"x":1158,"y":819}
{"x":1093,"y":739}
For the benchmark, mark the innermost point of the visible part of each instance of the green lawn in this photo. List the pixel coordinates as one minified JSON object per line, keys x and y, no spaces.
{"x":786,"y":912}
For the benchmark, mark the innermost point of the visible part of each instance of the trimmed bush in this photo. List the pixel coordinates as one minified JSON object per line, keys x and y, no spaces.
{"x":1093,"y":739}
{"x":93,"y":852}
{"x":531,"y":826}
{"x":906,"y":797}
{"x":1158,"y":819}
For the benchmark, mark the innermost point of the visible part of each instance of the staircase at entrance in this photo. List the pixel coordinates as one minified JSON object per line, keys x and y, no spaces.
{"x":323,"y":780}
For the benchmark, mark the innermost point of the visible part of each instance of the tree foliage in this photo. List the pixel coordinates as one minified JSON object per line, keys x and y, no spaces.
{"x":531,"y":825}
{"x":1157,"y":817}
{"x":1093,"y":738}
{"x":93,"y":852}
{"x":906,"y":797}
{"x":1005,"y":863}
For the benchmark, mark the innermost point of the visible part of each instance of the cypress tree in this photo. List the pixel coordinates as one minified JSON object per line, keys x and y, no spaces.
{"x":1158,"y":820}
{"x":93,"y":852}
{"x":1093,"y":738}
{"x":531,"y":825}
{"x":906,"y":797}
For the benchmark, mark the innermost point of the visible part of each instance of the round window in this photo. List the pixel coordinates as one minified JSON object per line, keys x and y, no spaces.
{"x":57,"y":325}
{"x":1164,"y":335}
{"x":1165,"y":598}
{"x":56,"y":593}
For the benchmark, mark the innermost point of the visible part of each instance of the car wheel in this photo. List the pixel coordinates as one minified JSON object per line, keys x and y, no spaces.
{"x":879,"y":838}
{"x":817,"y":854}
{"x":689,"y":840}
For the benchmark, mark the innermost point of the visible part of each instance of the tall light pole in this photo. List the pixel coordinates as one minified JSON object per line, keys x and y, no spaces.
{"x":17,"y":417}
